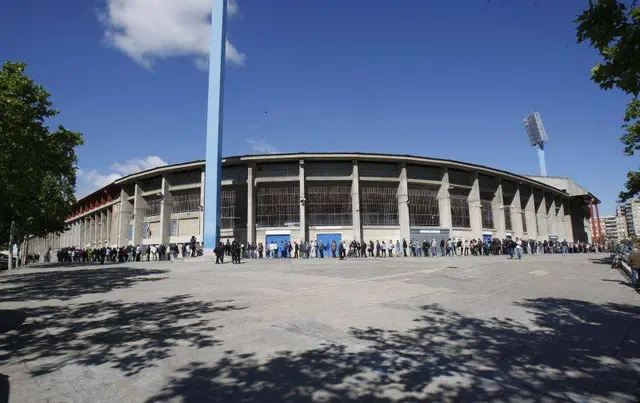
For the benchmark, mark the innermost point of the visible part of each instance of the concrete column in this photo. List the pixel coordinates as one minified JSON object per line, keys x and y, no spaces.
{"x":166,"y":207}
{"x":541,"y":215}
{"x":444,"y":201}
{"x":355,"y":202}
{"x":88,"y":232}
{"x":96,"y":229}
{"x":568,"y":221}
{"x":85,"y":231}
{"x":124,"y":213}
{"x":403,"y":205}
{"x":516,"y":215}
{"x":475,"y":208}
{"x":103,"y":228}
{"x":552,"y":226}
{"x":530,"y":216}
{"x":139,"y":206}
{"x":251,"y":206}
{"x":498,"y":213}
{"x":303,"y":211}
{"x":560,"y":222}
{"x":201,"y":214}
{"x":109,"y":217}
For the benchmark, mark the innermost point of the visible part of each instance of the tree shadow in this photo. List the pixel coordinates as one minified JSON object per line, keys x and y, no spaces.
{"x":571,"y":350}
{"x":4,"y":388}
{"x":11,"y":319}
{"x":130,"y":336}
{"x":68,"y":284}
{"x":55,"y":265}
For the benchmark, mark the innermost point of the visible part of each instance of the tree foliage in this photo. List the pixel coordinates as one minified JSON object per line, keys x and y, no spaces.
{"x":612,"y":27}
{"x":37,"y":164}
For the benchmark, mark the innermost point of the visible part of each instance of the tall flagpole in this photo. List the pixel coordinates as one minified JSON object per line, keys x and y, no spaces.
{"x":211,"y":213}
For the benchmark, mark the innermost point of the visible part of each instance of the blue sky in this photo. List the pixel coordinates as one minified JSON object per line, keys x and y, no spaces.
{"x":434,"y":78}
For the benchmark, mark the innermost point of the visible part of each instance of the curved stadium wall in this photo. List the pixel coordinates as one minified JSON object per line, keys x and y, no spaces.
{"x":307,"y":196}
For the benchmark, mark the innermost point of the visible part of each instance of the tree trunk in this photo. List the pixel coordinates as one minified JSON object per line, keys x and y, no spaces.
{"x":11,"y":231}
{"x":25,"y":253}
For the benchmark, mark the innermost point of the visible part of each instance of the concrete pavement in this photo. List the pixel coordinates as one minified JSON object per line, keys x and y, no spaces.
{"x":548,"y":328}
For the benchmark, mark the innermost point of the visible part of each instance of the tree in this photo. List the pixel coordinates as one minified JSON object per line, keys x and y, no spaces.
{"x":612,"y":27}
{"x":37,"y":165}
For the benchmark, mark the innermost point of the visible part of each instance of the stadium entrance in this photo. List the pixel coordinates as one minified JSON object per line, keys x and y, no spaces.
{"x":326,"y":242}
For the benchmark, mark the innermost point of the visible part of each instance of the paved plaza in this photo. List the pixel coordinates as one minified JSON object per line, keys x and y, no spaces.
{"x":548,"y":328}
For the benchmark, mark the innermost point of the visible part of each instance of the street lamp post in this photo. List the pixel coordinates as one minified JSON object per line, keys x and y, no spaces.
{"x":211,"y":214}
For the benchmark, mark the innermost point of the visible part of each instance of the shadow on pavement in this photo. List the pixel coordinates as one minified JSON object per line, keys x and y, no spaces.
{"x":11,"y":319}
{"x":4,"y":388}
{"x":54,"y":265}
{"x":68,"y":284}
{"x":575,"y":350}
{"x":130,"y":336}
{"x":602,"y":260}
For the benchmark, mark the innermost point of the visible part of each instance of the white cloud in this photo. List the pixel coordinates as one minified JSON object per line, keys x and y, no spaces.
{"x":261,"y":147}
{"x":89,"y":181}
{"x":232,"y":54}
{"x":232,"y":8}
{"x":150,"y":29}
{"x":137,"y":165}
{"x":95,"y":178}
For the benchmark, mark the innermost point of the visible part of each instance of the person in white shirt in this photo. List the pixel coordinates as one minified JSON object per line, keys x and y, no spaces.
{"x":519,"y":247}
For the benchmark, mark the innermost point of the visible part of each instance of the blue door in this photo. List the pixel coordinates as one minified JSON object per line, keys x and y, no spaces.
{"x":280,"y":240}
{"x":326,"y":242}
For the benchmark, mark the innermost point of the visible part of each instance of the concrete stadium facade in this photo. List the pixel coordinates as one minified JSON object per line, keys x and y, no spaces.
{"x":349,"y":196}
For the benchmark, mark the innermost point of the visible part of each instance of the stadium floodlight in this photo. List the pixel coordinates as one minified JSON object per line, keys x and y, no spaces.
{"x":537,"y":137}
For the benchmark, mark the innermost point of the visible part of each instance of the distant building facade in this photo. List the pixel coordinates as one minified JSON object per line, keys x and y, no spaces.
{"x":614,"y":227}
{"x":632,"y":216}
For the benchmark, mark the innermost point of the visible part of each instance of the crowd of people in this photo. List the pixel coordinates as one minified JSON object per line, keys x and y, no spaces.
{"x":514,"y":248}
{"x":130,"y":253}
{"x":413,"y":248}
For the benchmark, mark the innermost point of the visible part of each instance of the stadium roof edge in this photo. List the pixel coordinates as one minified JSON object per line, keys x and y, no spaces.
{"x":230,"y":160}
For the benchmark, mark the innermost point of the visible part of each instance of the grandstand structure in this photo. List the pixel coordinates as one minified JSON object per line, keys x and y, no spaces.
{"x":338,"y":196}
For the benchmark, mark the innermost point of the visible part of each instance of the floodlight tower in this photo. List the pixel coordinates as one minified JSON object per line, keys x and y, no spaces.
{"x":213,"y":150}
{"x":537,"y":137}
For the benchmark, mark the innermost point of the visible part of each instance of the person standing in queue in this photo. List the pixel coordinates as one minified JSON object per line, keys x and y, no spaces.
{"x":219,"y":252}
{"x":235,"y":252}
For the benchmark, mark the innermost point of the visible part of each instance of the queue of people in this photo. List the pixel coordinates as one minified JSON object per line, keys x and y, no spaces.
{"x":515,"y":248}
{"x":129,"y":253}
{"x":237,"y":250}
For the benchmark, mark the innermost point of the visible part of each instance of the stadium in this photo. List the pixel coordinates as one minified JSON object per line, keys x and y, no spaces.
{"x":330,"y":196}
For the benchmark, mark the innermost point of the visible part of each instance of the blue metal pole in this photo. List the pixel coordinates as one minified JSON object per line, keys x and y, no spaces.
{"x":542,"y":160}
{"x":211,"y":213}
